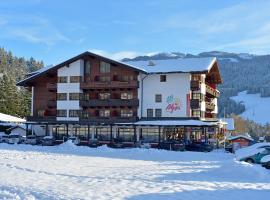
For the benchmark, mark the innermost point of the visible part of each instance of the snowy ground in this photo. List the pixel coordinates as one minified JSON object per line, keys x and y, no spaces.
{"x":257,"y":108}
{"x":68,"y":172}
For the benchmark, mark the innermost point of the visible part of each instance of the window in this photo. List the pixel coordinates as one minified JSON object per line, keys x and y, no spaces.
{"x":75,"y":79}
{"x":149,"y":135}
{"x":126,"y":113}
{"x":61,"y":113}
{"x":127,"y":78}
{"x":149,"y":112}
{"x":74,"y":96}
{"x":126,"y":95}
{"x":158,"y":112}
{"x":103,"y":134}
{"x":196,"y":77}
{"x":126,"y":134}
{"x":87,"y":67}
{"x":61,"y":96}
{"x":196,"y":113}
{"x":158,"y":98}
{"x":105,"y":67}
{"x":163,"y":78}
{"x":105,"y":78}
{"x":104,"y":96}
{"x":197,"y":96}
{"x":62,"y":79}
{"x":74,"y":113}
{"x":104,"y":113}
{"x":84,"y":96}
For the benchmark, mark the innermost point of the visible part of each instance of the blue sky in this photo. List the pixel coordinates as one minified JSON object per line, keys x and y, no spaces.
{"x":55,"y":30}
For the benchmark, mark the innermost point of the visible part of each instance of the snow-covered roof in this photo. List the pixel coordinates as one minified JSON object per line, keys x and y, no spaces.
{"x":240,"y":136}
{"x":175,"y":65}
{"x":9,"y":118}
{"x":173,"y":123}
{"x":230,"y":123}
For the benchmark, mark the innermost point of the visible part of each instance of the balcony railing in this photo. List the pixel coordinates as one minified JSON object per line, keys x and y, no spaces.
{"x":109,"y":102}
{"x":108,"y":119}
{"x":51,"y":86}
{"x":109,"y":84}
{"x":41,"y":118}
{"x":209,"y":106}
{"x":213,"y":92}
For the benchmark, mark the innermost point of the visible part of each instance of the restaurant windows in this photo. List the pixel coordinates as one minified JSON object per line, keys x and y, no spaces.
{"x":75,"y":79}
{"x":163,"y":78}
{"x":104,"y":96}
{"x":81,"y":132}
{"x":126,"y":134}
{"x":126,"y":113}
{"x":61,"y":113}
{"x":103,"y":133}
{"x":126,"y":95}
{"x":158,"y":112}
{"x":87,"y":67}
{"x":149,"y":135}
{"x":61,"y":96}
{"x":150,"y":112}
{"x":105,"y":67}
{"x":104,"y":113}
{"x":74,"y":96}
{"x":158,"y":98}
{"x":62,"y":79}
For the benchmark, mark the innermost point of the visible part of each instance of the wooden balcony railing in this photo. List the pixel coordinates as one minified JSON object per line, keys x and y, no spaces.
{"x":209,"y":106}
{"x":109,"y":102}
{"x":110,"y":84}
{"x":213,"y":92}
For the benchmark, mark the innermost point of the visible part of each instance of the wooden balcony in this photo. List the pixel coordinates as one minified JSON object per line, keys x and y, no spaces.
{"x":209,"y":106}
{"x":108,"y":120}
{"x":41,"y":119}
{"x":213,"y":92}
{"x":109,"y":102}
{"x":52,"y":87}
{"x":195,"y":85}
{"x":195,"y":104}
{"x":108,"y":85}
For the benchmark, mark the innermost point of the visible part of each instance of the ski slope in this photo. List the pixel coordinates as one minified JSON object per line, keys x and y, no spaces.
{"x":71,"y":172}
{"x":257,"y":108}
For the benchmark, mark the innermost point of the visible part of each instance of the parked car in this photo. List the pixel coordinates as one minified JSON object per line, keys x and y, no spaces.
{"x":229,"y":148}
{"x":48,"y":141}
{"x":257,"y":156}
{"x":171,"y":145}
{"x":202,"y":147}
{"x":5,"y":138}
{"x":31,"y":139}
{"x":117,"y":143}
{"x":14,"y":139}
{"x":75,"y":140}
{"x":93,"y":143}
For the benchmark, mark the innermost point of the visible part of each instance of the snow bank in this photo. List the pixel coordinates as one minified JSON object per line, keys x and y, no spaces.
{"x":251,"y":150}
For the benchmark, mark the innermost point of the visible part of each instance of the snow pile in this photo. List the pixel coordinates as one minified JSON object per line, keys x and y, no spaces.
{"x":265,"y":159}
{"x":250,"y":150}
{"x":257,"y":108}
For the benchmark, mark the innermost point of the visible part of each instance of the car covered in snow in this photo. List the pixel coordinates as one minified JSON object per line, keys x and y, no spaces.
{"x":172,"y":145}
{"x":253,"y":153}
{"x":30,"y":139}
{"x":202,"y":147}
{"x":266,"y":161}
{"x":75,"y":140}
{"x":14,"y":138}
{"x":48,"y":141}
{"x":93,"y":143}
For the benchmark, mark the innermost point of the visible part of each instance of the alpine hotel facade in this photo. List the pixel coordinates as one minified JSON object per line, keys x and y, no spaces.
{"x":94,"y":97}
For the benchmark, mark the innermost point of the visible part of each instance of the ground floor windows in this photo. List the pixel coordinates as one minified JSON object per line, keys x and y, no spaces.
{"x":103,"y":134}
{"x":149,"y":135}
{"x":126,"y":134}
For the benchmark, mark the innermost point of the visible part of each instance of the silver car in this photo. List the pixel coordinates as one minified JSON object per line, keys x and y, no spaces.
{"x":31,"y":139}
{"x":14,"y":139}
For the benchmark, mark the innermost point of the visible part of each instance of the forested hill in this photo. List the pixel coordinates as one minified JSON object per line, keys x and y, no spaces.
{"x":14,"y":100}
{"x":239,"y":72}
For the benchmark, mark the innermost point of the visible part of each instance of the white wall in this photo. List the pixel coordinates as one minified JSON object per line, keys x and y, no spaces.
{"x":74,"y":69}
{"x":174,"y":90}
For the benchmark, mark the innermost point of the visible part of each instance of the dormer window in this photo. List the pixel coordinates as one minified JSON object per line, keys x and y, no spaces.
{"x":163,"y":78}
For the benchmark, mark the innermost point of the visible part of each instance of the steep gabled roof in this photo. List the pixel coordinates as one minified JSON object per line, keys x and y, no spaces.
{"x":86,"y":54}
